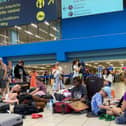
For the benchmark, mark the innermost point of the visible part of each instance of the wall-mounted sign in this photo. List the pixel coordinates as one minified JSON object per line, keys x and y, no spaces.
{"x":75,"y":8}
{"x":18,"y":12}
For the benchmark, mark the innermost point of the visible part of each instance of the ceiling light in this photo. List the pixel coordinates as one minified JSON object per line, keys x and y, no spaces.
{"x":37,"y":36}
{"x":43,"y":31}
{"x":52,"y":35}
{"x":96,"y":63}
{"x":34,"y":25}
{"x":47,"y":23}
{"x":17,"y":27}
{"x":3,"y":36}
{"x":28,"y":32}
{"x":55,"y":29}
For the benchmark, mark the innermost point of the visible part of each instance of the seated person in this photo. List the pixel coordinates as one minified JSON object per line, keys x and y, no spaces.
{"x":97,"y":106}
{"x":11,"y":97}
{"x":41,"y":88}
{"x":79,"y":91}
{"x":121,"y":119}
{"x":119,"y":110}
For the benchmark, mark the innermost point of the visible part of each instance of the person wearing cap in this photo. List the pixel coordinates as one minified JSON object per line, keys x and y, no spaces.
{"x":97,"y":106}
{"x":3,"y":77}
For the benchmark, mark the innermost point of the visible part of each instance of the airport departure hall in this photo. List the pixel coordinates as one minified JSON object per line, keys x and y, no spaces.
{"x":62,"y":62}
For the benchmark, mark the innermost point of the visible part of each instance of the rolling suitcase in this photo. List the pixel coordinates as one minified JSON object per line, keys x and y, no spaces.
{"x":61,"y":107}
{"x":11,"y":120}
{"x":4,"y":107}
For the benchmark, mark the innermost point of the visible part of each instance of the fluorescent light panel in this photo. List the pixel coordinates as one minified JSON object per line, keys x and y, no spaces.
{"x":28,"y":32}
{"x":34,"y":25}
{"x":46,"y":23}
{"x":17,"y":27}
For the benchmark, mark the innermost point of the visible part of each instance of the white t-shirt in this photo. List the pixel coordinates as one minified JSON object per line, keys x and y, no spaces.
{"x":108,"y":77}
{"x":76,"y":71}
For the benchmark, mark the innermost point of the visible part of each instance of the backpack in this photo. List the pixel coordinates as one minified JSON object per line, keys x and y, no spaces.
{"x":25,"y":109}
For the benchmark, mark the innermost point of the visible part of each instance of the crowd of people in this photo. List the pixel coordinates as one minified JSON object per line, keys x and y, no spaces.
{"x":82,"y":90}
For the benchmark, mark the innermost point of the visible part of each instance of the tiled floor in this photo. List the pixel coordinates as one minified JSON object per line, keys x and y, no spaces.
{"x":50,"y":119}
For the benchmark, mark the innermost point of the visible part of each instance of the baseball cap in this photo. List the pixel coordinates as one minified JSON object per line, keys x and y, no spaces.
{"x":107,"y":90}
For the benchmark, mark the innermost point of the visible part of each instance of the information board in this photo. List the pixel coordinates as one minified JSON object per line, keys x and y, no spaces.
{"x":75,"y":8}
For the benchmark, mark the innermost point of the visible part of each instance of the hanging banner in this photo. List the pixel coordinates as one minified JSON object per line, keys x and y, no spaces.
{"x":18,"y":12}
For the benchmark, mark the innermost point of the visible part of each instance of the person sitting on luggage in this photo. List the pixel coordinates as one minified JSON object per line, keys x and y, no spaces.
{"x":11,"y":97}
{"x":41,"y":88}
{"x":97,"y":106}
{"x":79,"y":91}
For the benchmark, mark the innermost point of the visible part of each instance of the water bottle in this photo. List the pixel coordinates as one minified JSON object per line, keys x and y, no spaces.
{"x":51,"y":105}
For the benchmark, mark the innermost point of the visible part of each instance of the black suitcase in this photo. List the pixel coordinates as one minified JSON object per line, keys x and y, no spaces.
{"x":4,"y":107}
{"x":11,"y":120}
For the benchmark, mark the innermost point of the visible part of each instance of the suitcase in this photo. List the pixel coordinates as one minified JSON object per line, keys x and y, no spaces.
{"x":11,"y":120}
{"x":61,"y":107}
{"x":4,"y":107}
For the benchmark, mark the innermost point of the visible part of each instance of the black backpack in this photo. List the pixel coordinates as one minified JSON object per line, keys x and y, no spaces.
{"x":25,"y":109}
{"x":93,"y":84}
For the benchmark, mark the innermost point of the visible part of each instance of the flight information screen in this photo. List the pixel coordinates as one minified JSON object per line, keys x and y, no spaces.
{"x":75,"y":8}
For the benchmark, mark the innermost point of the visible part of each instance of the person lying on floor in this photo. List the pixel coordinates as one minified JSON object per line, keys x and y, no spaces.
{"x":78,"y":92}
{"x":40,"y":89}
{"x":14,"y":95}
{"x":97,"y":106}
{"x":11,"y":97}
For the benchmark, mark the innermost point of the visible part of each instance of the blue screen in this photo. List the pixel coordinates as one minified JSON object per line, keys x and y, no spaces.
{"x":75,"y":8}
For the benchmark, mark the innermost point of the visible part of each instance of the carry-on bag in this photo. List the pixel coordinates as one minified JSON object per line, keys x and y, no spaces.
{"x":10,"y":120}
{"x":4,"y":107}
{"x":61,"y":107}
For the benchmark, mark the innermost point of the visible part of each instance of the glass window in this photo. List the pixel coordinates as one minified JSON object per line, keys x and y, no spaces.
{"x":30,"y":33}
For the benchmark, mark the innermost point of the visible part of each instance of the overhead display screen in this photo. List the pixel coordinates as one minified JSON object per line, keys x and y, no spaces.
{"x":75,"y":8}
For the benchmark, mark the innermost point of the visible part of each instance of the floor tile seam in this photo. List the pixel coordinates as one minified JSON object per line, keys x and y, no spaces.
{"x":62,"y":120}
{"x":85,"y":122}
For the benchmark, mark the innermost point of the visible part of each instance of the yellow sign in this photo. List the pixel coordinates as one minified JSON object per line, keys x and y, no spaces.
{"x":40,"y":16}
{"x":40,"y":3}
{"x":51,"y":2}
